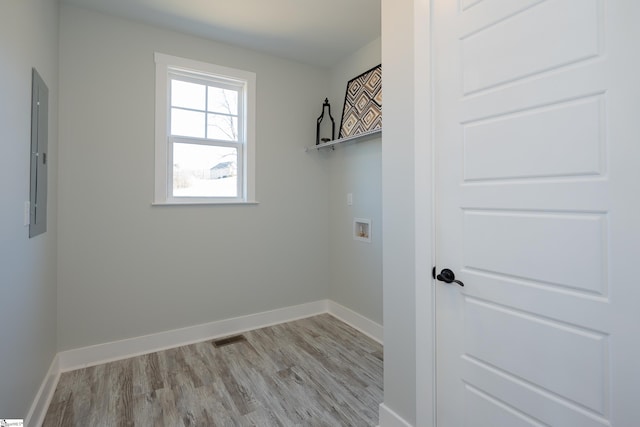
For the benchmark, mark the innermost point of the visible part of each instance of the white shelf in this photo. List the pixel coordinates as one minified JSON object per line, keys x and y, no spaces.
{"x":359,"y":137}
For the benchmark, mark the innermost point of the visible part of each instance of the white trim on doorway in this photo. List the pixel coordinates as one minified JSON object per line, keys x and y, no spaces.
{"x":388,"y":418}
{"x":425,"y":227}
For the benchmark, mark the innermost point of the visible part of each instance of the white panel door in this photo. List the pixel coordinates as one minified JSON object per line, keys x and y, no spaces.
{"x":537,"y":212}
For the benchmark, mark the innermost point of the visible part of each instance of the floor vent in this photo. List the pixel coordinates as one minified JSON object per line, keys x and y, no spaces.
{"x":229,"y":340}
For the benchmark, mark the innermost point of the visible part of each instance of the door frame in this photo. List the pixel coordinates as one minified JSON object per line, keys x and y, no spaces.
{"x":425,"y":227}
{"x":408,"y":213}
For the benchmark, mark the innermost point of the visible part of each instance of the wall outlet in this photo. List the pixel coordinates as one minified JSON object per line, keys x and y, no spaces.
{"x":349,"y":199}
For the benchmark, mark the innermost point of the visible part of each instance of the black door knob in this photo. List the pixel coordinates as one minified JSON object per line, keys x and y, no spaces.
{"x":448,"y":276}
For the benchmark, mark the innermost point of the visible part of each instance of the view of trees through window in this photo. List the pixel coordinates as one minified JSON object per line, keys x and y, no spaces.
{"x":205,"y":134}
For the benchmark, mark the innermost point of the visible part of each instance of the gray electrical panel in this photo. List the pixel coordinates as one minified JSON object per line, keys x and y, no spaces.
{"x":39,"y":135}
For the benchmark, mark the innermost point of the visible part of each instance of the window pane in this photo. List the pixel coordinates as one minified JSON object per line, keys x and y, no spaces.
{"x":223,"y":101}
{"x":204,"y":171}
{"x":187,"y":123}
{"x":188,"y":95}
{"x":224,"y":128}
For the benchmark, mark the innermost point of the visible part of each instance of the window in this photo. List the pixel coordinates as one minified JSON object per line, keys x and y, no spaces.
{"x":205,"y":138}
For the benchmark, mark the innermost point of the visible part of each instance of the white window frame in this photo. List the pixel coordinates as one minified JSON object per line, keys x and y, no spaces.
{"x":166,"y":65}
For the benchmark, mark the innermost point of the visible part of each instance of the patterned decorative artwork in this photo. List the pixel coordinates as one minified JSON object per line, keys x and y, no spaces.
{"x":362,"y":104}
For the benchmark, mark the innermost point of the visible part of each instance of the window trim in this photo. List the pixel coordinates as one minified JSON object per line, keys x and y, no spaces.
{"x":164,"y":66}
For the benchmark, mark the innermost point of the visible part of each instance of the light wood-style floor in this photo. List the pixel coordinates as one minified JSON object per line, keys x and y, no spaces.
{"x":311,"y":372}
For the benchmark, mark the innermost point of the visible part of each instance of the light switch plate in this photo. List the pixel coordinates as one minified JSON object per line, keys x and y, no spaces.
{"x":27,"y":213}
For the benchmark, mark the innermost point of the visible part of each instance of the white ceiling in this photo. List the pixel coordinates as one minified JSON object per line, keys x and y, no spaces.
{"x":318,"y":32}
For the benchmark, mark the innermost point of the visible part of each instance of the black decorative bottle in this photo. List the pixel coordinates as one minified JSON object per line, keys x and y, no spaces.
{"x":322,"y":138}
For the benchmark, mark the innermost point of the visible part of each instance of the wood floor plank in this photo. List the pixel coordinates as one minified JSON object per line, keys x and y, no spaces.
{"x":170,"y":414}
{"x":147,"y":410}
{"x":147,"y":374}
{"x":311,"y":372}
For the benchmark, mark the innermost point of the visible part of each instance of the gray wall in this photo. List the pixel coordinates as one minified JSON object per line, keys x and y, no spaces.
{"x":127,"y":268}
{"x":28,"y":38}
{"x":398,"y":210}
{"x":355,"y":266}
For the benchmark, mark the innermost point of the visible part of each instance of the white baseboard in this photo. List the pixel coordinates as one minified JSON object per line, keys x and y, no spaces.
{"x":358,"y":321}
{"x":40,"y":404}
{"x":117,"y":350}
{"x":388,"y":418}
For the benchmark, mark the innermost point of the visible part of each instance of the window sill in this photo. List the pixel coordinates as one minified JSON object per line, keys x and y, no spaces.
{"x":193,"y":203}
